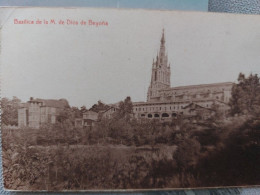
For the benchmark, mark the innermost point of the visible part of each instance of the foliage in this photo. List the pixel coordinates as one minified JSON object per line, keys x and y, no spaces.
{"x":125,"y":109}
{"x":68,"y":115}
{"x":9,"y":109}
{"x":100,"y":106}
{"x":82,"y":110}
{"x":118,"y":154}
{"x":246,"y":95}
{"x":123,"y":152}
{"x":236,"y":162}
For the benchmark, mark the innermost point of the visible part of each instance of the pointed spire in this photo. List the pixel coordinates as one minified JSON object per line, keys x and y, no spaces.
{"x":162,"y":39}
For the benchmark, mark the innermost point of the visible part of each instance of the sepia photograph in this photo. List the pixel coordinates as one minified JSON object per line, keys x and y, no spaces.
{"x":123,"y":99}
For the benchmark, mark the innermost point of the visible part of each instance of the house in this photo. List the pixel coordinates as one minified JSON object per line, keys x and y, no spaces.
{"x":197,"y":111}
{"x":109,"y":113}
{"x":37,"y":112}
{"x":89,"y":118}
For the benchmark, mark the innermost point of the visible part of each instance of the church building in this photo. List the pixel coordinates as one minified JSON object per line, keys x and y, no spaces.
{"x":165,"y":102}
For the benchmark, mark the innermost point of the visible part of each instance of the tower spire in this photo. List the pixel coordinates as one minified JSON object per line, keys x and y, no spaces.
{"x":162,"y":39}
{"x":161,"y":73}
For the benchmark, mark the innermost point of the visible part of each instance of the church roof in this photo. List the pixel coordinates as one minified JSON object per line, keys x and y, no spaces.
{"x":198,"y":86}
{"x":193,"y":105}
{"x":111,"y":107}
{"x":162,"y":102}
{"x":90,"y":112}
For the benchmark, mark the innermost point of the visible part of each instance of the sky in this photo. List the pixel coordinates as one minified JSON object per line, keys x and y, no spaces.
{"x":84,"y":64}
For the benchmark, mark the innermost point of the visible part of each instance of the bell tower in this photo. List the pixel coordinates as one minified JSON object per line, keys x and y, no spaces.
{"x":161,"y":73}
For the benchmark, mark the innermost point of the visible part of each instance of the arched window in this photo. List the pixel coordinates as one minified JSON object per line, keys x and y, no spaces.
{"x":174,"y":114}
{"x":156,"y":116}
{"x":150,"y":116}
{"x":165,"y":115}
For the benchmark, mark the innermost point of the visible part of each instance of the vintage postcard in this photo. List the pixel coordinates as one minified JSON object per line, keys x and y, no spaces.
{"x":120,"y":99}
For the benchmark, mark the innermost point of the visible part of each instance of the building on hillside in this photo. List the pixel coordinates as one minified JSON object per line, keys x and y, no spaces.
{"x":88,"y":120}
{"x":198,"y":111}
{"x":90,"y":117}
{"x":165,"y":102}
{"x":36,"y":112}
{"x":110,"y":112}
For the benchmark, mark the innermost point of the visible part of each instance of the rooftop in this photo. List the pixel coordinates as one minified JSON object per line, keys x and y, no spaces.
{"x":61,"y":103}
{"x":199,"y":86}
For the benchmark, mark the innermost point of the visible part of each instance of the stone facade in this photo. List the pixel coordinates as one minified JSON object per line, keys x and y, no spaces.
{"x":161,"y":73}
{"x":165,"y":102}
{"x":36,"y":112}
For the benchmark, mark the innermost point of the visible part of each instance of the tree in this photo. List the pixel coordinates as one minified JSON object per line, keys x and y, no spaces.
{"x":77,"y":113}
{"x":246,"y":95}
{"x":100,"y":106}
{"x":125,"y":109}
{"x":69,"y":114}
{"x":63,"y":116}
{"x":82,"y":110}
{"x":187,"y":156}
{"x":218,"y":114}
{"x":10,"y":110}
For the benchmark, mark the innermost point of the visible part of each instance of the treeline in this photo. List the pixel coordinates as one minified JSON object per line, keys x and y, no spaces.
{"x":122,"y":153}
{"x":146,"y":155}
{"x":9,"y":111}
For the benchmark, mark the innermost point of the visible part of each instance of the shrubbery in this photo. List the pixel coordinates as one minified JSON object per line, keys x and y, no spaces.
{"x":118,"y":154}
{"x":122,"y":152}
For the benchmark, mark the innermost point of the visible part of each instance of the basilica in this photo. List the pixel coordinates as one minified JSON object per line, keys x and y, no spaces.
{"x":163,"y":101}
{"x":166,"y":102}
